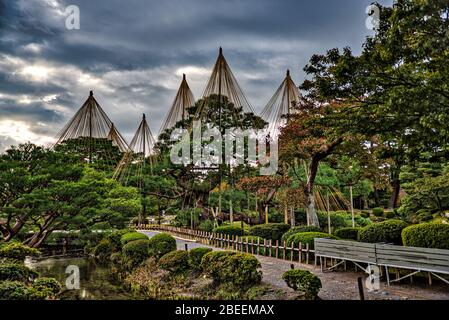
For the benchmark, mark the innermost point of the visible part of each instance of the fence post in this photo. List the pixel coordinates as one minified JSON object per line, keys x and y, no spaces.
{"x":258,"y":246}
{"x":252,"y":246}
{"x":300,"y":252}
{"x":284,"y":249}
{"x":277,"y":248}
{"x":307,"y":253}
{"x":247,"y":246}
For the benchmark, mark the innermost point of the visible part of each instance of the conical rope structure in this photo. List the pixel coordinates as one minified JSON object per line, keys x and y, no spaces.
{"x":281,"y":104}
{"x":178,"y":110}
{"x":91,"y":133}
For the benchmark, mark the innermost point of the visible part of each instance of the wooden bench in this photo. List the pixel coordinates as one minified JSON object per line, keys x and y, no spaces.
{"x":434,"y":261}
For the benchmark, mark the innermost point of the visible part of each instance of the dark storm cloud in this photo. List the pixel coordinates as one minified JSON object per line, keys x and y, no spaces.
{"x":131,"y":52}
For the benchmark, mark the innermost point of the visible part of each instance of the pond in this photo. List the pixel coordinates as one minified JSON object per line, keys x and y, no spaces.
{"x":96,"y":282}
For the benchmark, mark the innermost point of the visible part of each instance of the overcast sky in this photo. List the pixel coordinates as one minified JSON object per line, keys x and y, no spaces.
{"x":132,"y":54}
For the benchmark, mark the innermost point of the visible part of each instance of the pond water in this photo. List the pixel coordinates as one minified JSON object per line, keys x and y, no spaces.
{"x":95,"y":280}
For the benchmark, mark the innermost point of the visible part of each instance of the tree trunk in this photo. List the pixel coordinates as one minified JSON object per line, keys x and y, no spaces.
{"x":310,"y":198}
{"x":396,"y":184}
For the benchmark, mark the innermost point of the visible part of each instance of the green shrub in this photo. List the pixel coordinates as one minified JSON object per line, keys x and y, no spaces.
{"x":424,"y":215}
{"x":115,"y":238}
{"x":364,"y":214}
{"x":132,"y":236}
{"x":230,"y":230}
{"x":307,"y":238}
{"x":387,"y":231}
{"x":304,"y":281}
{"x":206,"y":225}
{"x":299,"y":229}
{"x":273,"y":231}
{"x":17,"y":251}
{"x":195,"y":257}
{"x":378,"y":212}
{"x":390,"y":215}
{"x":13,"y":290}
{"x":239,"y":269}
{"x":136,"y":252}
{"x":339,"y":219}
{"x":50,"y":284}
{"x":175,"y":261}
{"x":16,"y":271}
{"x":161,"y":244}
{"x":347,"y":233}
{"x":360,"y":221}
{"x":103,"y":250}
{"x":427,"y":235}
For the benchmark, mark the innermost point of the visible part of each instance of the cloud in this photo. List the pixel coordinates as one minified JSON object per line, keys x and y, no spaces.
{"x":133,"y":53}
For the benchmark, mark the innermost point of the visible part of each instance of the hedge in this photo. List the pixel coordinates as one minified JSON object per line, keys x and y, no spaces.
{"x":13,"y":290}
{"x":299,"y":229}
{"x":304,"y":281}
{"x":132,"y":236}
{"x":17,"y":251}
{"x":307,"y":238}
{"x":378,"y":212}
{"x":273,"y":231}
{"x":424,"y":215}
{"x":387,"y":231}
{"x":229,"y":230}
{"x":161,"y":244}
{"x":348,"y":233}
{"x":16,"y":271}
{"x":50,"y":284}
{"x":115,"y":238}
{"x":427,"y":235}
{"x":195,"y":257}
{"x":103,"y":250}
{"x":239,"y":269}
{"x":175,"y":261}
{"x":135,"y":252}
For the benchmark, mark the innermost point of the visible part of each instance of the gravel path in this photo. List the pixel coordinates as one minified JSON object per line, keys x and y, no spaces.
{"x":337,"y":285}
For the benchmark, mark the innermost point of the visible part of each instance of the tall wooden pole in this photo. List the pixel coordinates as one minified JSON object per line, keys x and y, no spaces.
{"x":328,"y":213}
{"x":352,"y":205}
{"x":220,"y":61}
{"x":266,"y":213}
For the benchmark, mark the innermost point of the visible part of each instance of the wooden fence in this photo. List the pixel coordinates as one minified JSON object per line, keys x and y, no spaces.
{"x":275,"y":249}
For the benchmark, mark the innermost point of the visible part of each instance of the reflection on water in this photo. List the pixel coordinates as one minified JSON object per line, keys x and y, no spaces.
{"x":95,"y":280}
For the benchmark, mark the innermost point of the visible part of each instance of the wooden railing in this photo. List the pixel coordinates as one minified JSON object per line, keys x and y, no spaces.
{"x":275,"y":249}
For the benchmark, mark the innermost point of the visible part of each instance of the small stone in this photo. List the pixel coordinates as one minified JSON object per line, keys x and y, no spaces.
{"x":384,"y":293}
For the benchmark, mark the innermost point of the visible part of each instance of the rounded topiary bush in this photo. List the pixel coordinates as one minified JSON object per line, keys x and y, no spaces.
{"x":387,"y":231}
{"x":115,"y":238}
{"x":378,"y":212}
{"x":17,"y":251}
{"x":13,"y":290}
{"x":47,"y":284}
{"x":348,"y":233}
{"x":424,"y":215}
{"x":16,"y":272}
{"x":273,"y":231}
{"x":135,"y":252}
{"x":427,"y":235}
{"x":240,"y":269}
{"x":132,"y":236}
{"x":364,"y":214}
{"x":161,"y":244}
{"x":103,"y":250}
{"x":230,"y":230}
{"x":304,"y":281}
{"x":390,"y":214}
{"x":195,"y":257}
{"x":299,"y":229}
{"x":307,"y":238}
{"x":175,"y":261}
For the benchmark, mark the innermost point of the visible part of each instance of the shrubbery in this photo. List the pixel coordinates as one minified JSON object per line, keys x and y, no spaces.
{"x":175,"y":261}
{"x":17,"y":251}
{"x":387,"y":231}
{"x":206,"y":225}
{"x":390,"y":214}
{"x":13,"y":290}
{"x":161,"y":244}
{"x":115,"y":238}
{"x":299,"y":229}
{"x":132,"y":236}
{"x":47,"y":284}
{"x":230,"y":230}
{"x":273,"y":231}
{"x":195,"y":257}
{"x":307,"y":238}
{"x":304,"y":281}
{"x":424,"y":215}
{"x":364,"y":214}
{"x":348,"y":233}
{"x":103,"y":250}
{"x":427,"y":235}
{"x":240,"y":269}
{"x":378,"y":212}
{"x":136,"y":252}
{"x":16,"y":272}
